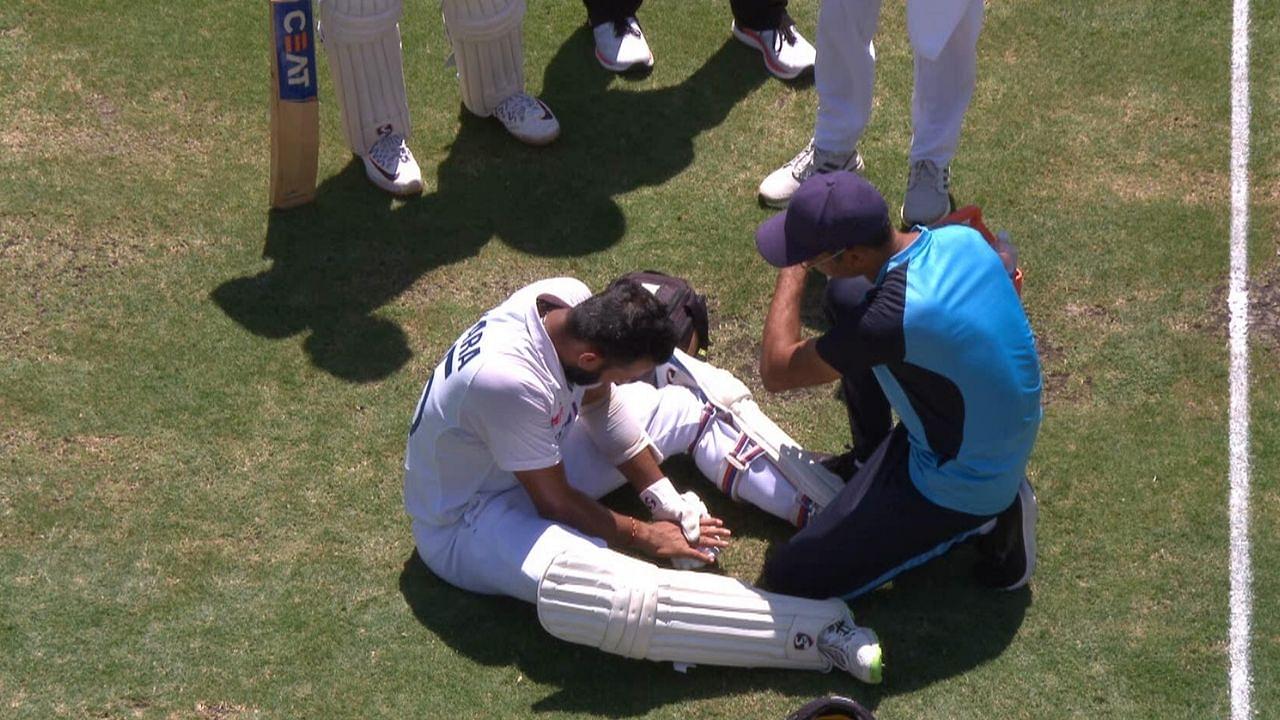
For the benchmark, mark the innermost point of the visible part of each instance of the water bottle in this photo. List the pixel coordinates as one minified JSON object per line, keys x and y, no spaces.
{"x":1007,"y":252}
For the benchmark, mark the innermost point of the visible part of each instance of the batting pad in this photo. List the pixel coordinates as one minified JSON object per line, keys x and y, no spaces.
{"x":488,"y":47}
{"x":362,"y":41}
{"x":627,"y":607}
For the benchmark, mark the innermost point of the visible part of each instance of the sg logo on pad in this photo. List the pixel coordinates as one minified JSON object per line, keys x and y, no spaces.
{"x":802,"y":641}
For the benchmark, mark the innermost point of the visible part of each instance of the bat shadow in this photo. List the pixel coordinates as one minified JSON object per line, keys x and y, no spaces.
{"x":338,"y":260}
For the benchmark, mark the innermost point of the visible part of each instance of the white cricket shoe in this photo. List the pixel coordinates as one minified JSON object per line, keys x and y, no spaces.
{"x":528,"y":119}
{"x":928,"y":196}
{"x":854,"y":649}
{"x":786,"y":53}
{"x":777,"y":189}
{"x":391,"y":166}
{"x":620,"y":45}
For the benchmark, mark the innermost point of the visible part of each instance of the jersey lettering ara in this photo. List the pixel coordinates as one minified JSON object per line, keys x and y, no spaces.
{"x":463,"y":351}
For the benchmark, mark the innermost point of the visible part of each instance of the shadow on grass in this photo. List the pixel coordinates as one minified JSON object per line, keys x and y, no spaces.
{"x":934,"y":622}
{"x":338,"y":260}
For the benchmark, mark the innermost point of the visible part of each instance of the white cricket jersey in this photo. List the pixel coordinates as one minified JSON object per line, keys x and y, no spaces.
{"x":497,"y":403}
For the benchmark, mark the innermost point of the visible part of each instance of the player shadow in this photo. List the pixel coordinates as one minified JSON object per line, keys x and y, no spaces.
{"x":337,"y":261}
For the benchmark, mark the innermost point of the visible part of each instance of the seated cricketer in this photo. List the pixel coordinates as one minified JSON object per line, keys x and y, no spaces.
{"x":521,"y":429}
{"x":928,"y":322}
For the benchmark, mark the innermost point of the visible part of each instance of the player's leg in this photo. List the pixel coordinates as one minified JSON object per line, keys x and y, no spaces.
{"x":1009,"y":550}
{"x":878,"y":527}
{"x":678,"y":421}
{"x":739,"y":469}
{"x":943,"y":88}
{"x":844,"y":78}
{"x":766,"y":26}
{"x":620,"y":41}
{"x":487,"y":37}
{"x":501,"y":546}
{"x":362,"y":41}
{"x":870,"y":418}
{"x":632,"y":608}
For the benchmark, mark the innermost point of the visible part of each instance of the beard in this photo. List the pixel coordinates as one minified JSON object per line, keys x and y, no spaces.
{"x":577,"y":376}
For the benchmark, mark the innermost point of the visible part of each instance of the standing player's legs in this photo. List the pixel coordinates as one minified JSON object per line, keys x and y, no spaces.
{"x":620,"y":41}
{"x":487,"y":37}
{"x":943,"y":88}
{"x":758,"y":15}
{"x":362,"y":41}
{"x":602,"y":11}
{"x":877,"y":527}
{"x":679,"y":422}
{"x":845,"y":78}
{"x":766,"y":26}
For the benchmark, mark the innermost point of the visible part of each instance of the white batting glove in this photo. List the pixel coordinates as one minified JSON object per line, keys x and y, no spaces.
{"x":666,"y":504}
{"x":686,"y":510}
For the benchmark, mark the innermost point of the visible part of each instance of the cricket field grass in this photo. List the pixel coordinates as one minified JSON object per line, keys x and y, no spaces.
{"x":203,"y":404}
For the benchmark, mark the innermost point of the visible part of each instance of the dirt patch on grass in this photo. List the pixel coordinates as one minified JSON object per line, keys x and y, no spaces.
{"x":1112,"y":144}
{"x":48,"y":265}
{"x":224,"y":711}
{"x":98,"y":125}
{"x":1060,"y":384}
{"x":1264,"y":310}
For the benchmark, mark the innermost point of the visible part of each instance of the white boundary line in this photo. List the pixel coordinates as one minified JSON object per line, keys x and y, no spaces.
{"x":1241,"y":674}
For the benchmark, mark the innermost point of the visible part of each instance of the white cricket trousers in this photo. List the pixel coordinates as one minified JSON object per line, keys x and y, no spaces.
{"x":501,"y":546}
{"x":845,"y":74}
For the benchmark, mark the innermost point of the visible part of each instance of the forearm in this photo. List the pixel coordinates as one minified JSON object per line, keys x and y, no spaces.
{"x":782,"y":325}
{"x":559,"y":502}
{"x":589,"y":517}
{"x":642,"y":469}
{"x":620,"y":531}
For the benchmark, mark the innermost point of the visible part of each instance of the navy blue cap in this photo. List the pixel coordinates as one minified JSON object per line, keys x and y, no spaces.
{"x":829,"y":212}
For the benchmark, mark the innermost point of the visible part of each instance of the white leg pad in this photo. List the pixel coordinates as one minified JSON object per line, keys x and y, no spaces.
{"x":362,"y":41}
{"x":487,"y":37}
{"x":733,"y":398}
{"x":627,"y":607}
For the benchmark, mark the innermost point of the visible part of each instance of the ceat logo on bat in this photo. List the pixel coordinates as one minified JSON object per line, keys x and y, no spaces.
{"x":295,"y":50}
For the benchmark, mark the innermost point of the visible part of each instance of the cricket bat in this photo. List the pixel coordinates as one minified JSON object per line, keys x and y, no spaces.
{"x":295,"y":116}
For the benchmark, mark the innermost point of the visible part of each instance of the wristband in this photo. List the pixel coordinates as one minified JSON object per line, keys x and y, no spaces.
{"x":662,"y":499}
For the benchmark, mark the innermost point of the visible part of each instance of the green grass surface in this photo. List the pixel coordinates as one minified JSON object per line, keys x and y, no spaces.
{"x":203,"y":404}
